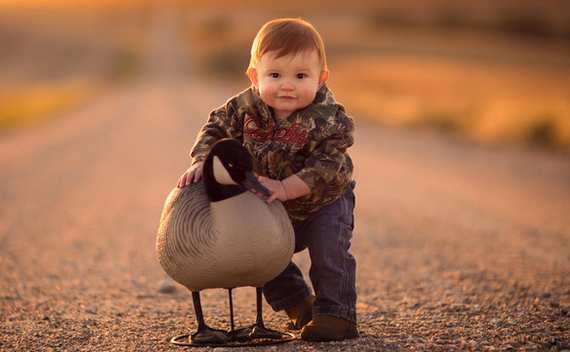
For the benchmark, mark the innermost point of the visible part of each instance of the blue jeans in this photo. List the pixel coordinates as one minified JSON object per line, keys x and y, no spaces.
{"x":327,"y":235}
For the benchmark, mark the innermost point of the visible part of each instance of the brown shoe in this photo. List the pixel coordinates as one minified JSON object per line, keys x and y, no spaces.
{"x":329,"y":328}
{"x":300,"y":313}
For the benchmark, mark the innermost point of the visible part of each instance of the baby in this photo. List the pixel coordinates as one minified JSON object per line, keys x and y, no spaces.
{"x":298,"y":136}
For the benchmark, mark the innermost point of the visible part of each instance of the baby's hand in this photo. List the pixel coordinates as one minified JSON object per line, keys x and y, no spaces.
{"x":275,"y":188}
{"x":192,"y":175}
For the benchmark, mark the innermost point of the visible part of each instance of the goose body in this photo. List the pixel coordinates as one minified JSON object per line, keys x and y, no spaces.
{"x":239,"y":241}
{"x":217,"y":234}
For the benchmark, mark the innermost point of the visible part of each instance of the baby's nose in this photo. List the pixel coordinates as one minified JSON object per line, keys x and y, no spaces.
{"x":287,"y":86}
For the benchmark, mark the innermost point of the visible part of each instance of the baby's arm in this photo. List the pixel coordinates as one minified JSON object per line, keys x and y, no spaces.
{"x":222,"y":123}
{"x":290,"y":188}
{"x":327,"y":166}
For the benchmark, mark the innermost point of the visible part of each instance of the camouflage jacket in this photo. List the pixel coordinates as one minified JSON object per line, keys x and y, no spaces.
{"x":310,"y":143}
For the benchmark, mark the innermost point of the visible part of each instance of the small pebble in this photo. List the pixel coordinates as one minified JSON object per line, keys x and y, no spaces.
{"x":90,"y":309}
{"x":166,"y":286}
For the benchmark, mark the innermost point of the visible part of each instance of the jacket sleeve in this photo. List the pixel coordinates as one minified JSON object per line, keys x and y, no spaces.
{"x":223,"y":122}
{"x":328,"y":164}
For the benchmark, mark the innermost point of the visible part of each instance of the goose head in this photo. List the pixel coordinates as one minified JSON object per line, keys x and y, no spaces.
{"x":228,"y":171}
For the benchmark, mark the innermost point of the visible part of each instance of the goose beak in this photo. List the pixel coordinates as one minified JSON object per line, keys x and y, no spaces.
{"x":253,"y":185}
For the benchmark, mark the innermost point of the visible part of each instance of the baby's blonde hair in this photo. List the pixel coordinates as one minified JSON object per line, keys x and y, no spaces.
{"x":286,"y":36}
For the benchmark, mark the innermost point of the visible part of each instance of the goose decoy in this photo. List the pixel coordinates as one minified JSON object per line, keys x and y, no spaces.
{"x":217,"y":234}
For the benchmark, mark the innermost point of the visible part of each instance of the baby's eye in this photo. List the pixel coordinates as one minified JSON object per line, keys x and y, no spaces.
{"x":274,"y":75}
{"x":301,"y":75}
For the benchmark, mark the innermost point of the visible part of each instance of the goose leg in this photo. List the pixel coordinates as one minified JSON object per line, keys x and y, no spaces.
{"x":205,"y":335}
{"x":231,"y":311}
{"x":241,"y":334}
{"x":259,"y":330}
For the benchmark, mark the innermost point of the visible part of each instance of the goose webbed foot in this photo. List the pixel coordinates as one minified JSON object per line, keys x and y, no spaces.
{"x":209,"y":336}
{"x":241,"y":334}
{"x":254,"y":331}
{"x":261,"y":332}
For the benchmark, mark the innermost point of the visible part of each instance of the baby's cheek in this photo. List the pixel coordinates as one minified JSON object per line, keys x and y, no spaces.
{"x":309,"y":96}
{"x":266,"y":97}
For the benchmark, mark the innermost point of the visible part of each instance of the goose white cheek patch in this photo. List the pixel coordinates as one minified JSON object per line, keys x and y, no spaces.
{"x":221,"y":174}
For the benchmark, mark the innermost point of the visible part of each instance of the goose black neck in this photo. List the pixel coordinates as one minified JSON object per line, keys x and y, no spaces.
{"x":216,"y":191}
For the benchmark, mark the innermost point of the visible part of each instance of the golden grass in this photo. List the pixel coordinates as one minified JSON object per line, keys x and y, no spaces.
{"x":26,"y":106}
{"x":487,"y":102}
{"x":87,"y":51}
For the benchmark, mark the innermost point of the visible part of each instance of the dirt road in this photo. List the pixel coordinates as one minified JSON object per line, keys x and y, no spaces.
{"x":458,"y":247}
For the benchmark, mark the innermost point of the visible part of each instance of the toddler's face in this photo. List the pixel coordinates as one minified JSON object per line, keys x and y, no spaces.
{"x":290,"y":82}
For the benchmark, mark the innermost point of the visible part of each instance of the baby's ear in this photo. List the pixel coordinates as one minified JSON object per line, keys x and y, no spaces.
{"x":323,"y":78}
{"x":252,"y":74}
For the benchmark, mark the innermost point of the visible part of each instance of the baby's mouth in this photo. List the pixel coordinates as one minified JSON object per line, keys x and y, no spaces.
{"x":287,"y":98}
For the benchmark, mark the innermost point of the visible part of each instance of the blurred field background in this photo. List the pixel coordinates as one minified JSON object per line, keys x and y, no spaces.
{"x":486,"y":71}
